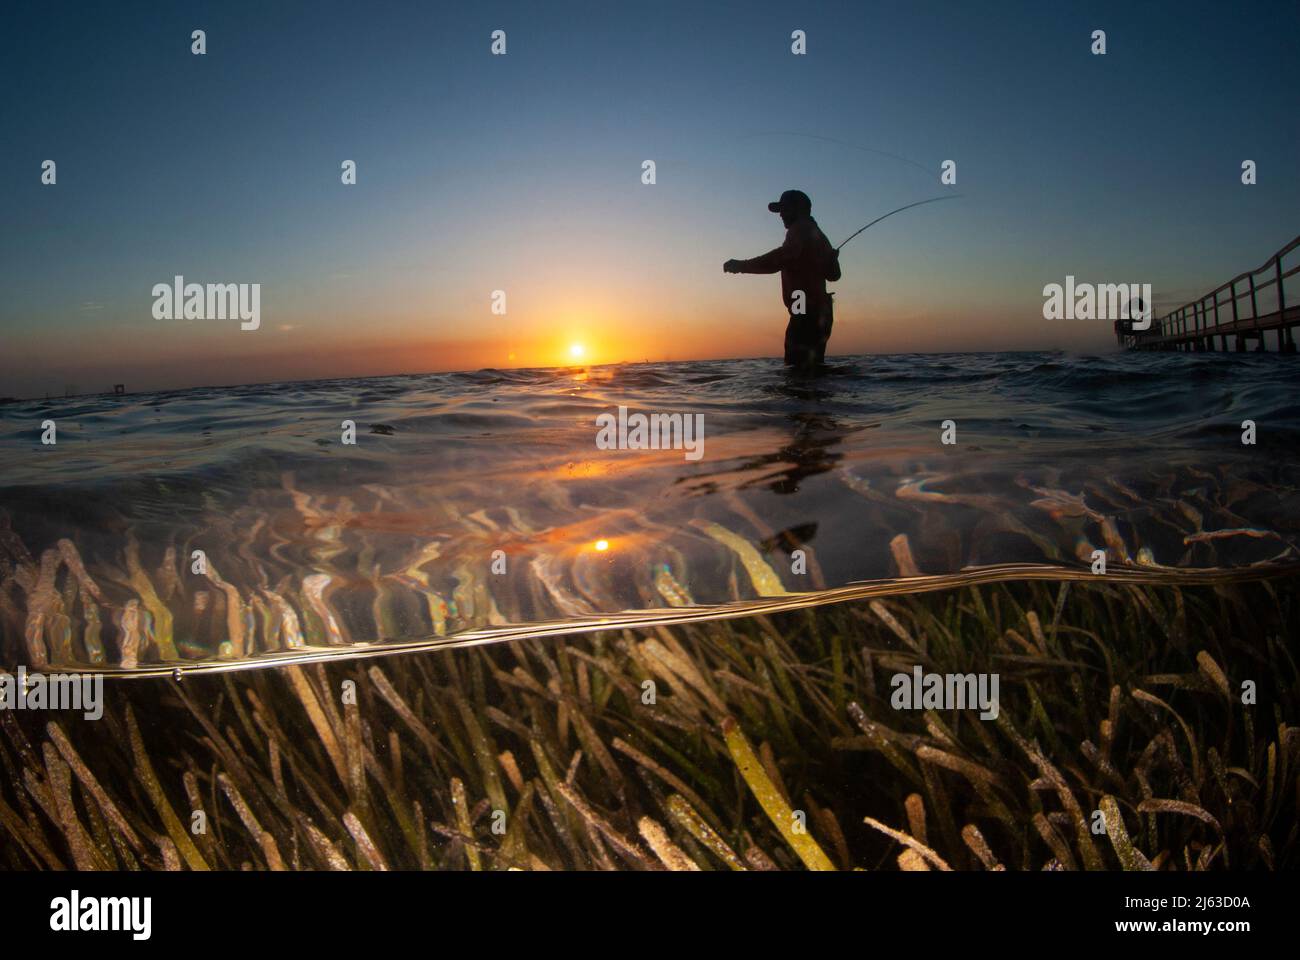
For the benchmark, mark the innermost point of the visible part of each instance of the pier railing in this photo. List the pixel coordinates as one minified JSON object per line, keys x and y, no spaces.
{"x":1245,"y":308}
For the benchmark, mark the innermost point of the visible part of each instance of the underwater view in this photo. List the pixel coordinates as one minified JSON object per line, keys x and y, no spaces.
{"x":716,"y":640}
{"x":760,"y":743}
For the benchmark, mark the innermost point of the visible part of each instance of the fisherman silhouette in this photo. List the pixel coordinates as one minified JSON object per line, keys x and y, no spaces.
{"x":806,"y":260}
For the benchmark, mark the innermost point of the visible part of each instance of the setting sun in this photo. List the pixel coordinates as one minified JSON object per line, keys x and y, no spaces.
{"x":576,"y":350}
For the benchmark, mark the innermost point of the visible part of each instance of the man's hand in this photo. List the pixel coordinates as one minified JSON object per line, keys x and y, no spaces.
{"x":731,"y":266}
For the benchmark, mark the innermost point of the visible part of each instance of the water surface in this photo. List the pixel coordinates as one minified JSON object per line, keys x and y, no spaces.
{"x":478,"y":504}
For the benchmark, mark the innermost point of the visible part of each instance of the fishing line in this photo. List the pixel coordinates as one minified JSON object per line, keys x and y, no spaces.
{"x":843,"y":143}
{"x":899,"y":210}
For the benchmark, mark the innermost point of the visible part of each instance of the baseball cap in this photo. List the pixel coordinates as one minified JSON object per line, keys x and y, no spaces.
{"x":792,"y":201}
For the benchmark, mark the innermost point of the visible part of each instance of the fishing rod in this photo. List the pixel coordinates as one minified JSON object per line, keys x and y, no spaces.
{"x":899,"y":210}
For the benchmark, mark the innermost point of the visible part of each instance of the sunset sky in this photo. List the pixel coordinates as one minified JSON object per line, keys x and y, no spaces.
{"x":523,"y":173}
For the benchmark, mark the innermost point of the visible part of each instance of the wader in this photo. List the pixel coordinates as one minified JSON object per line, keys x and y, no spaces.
{"x":806,"y":335}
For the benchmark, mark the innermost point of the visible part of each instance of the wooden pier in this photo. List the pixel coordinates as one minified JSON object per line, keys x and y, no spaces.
{"x":1244,"y":310}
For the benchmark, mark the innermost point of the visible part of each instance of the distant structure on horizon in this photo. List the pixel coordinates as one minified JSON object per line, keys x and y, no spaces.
{"x":1194,"y":326}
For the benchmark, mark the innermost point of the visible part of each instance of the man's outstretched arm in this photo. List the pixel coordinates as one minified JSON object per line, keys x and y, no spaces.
{"x":770,"y":262}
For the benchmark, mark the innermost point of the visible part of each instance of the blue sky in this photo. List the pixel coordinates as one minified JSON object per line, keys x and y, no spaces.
{"x":522,"y":173}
